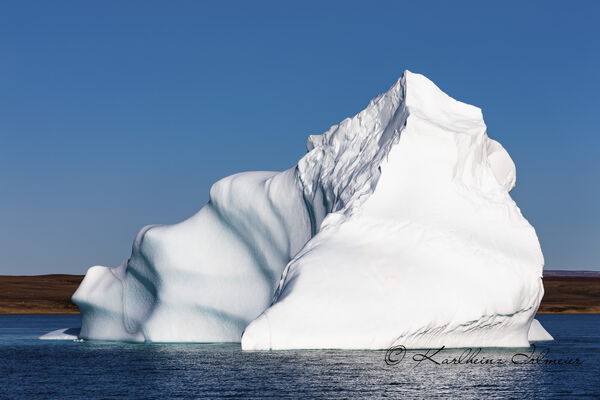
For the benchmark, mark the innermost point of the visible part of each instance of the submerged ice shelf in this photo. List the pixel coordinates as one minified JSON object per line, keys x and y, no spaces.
{"x":396,"y":227}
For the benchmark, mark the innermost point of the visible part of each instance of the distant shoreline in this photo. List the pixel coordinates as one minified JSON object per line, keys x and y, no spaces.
{"x":38,"y":294}
{"x":567,"y":292}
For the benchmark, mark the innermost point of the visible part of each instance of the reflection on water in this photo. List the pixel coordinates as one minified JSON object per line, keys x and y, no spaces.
{"x":31,"y":369}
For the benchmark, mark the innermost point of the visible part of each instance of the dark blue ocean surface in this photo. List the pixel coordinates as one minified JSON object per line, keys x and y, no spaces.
{"x":35,"y":369}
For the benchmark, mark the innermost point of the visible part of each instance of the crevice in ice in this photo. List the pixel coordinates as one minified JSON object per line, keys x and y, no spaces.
{"x":133,"y":322}
{"x":483,"y":322}
{"x":259,"y":257}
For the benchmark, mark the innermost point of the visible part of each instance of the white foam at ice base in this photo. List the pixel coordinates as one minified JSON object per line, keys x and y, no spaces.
{"x":396,"y":228}
{"x":61,"y":334}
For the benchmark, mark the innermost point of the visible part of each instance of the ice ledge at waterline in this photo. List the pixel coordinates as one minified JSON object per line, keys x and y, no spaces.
{"x":395,"y":228}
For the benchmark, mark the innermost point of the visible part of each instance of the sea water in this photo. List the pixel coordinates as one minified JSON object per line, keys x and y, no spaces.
{"x":568,"y":367}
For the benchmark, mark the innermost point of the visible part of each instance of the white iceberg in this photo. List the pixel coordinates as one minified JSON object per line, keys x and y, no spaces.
{"x":396,"y":228}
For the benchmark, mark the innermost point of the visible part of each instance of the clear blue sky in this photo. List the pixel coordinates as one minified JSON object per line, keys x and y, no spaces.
{"x":119,"y":114}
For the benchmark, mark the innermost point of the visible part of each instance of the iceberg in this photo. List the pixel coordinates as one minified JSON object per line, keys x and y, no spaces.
{"x":397,"y":227}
